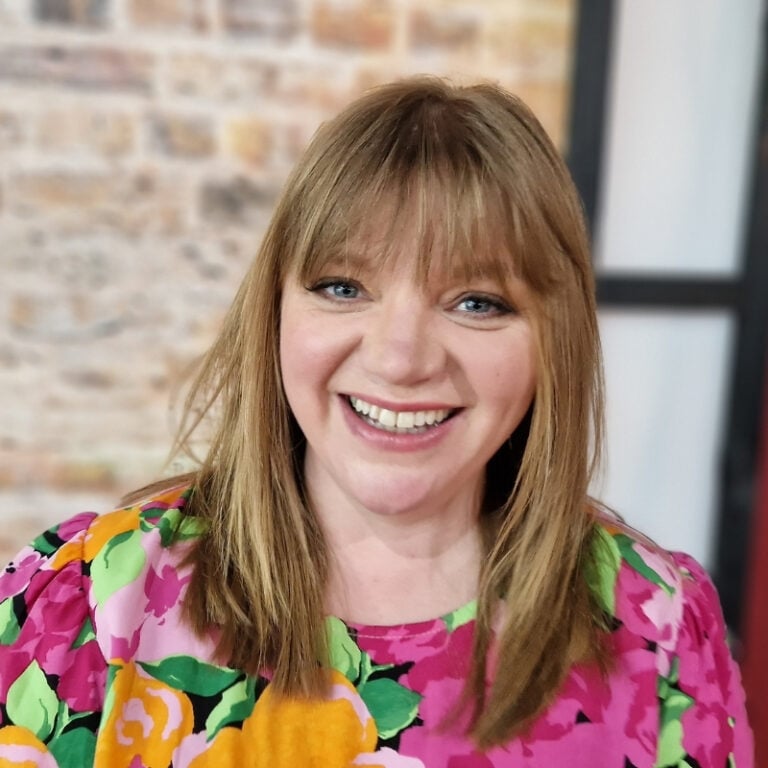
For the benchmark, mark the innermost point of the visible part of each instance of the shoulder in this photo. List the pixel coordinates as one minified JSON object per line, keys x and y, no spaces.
{"x":666,"y":603}
{"x":72,"y":568}
{"x":647,"y":589}
{"x":155,"y":523}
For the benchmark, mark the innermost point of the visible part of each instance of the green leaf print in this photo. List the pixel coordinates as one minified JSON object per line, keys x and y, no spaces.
{"x":460,"y":617}
{"x":673,"y":703}
{"x":603,"y":571}
{"x":86,"y":634}
{"x":117,"y":564}
{"x":391,"y":705}
{"x":42,"y":544}
{"x":74,"y":749}
{"x":344,"y":655}
{"x":9,"y":624}
{"x":31,"y":702}
{"x":185,"y":673}
{"x":633,"y":559}
{"x":236,"y":705}
{"x":173,"y":525}
{"x":671,"y":751}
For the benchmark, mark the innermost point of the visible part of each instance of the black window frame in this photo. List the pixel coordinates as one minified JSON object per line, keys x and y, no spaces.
{"x":744,"y":296}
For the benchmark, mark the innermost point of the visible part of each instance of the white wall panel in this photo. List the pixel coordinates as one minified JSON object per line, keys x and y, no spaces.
{"x":681,"y":107}
{"x":666,"y":379}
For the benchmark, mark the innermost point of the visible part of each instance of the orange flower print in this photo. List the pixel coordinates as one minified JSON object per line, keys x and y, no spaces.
{"x":19,"y":748}
{"x":104,"y":528}
{"x":146,"y":720}
{"x":286,"y":733}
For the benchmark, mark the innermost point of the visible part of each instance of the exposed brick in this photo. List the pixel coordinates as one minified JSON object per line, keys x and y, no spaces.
{"x":444,"y":29}
{"x":105,"y":133}
{"x":196,"y":74}
{"x":182,"y":135}
{"x":99,"y":68}
{"x":61,"y":189}
{"x":548,"y":100}
{"x":536,"y":46}
{"x":212,"y":77}
{"x":23,"y":311}
{"x":363,"y":24}
{"x":248,"y":139}
{"x":78,"y":476}
{"x":237,"y":201}
{"x":274,"y":18}
{"x":89,"y":13}
{"x":10,"y":129}
{"x":123,"y":231}
{"x":89,"y":378}
{"x":169,"y":14}
{"x":14,"y":14}
{"x":64,"y":317}
{"x":150,"y":202}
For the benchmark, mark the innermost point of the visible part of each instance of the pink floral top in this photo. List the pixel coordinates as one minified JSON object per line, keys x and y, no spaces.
{"x":97,"y":667}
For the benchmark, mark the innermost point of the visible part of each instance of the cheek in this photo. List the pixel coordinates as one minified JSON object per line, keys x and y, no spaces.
{"x":514,"y":375}
{"x":309,"y":356}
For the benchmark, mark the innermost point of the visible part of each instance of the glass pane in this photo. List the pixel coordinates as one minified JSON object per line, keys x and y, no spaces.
{"x":682,"y":102}
{"x":666,"y":379}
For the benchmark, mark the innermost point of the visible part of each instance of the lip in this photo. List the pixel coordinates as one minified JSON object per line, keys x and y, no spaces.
{"x":391,"y":405}
{"x":391,"y":441}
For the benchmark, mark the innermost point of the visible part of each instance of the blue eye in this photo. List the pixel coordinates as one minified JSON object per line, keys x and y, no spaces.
{"x":342,"y":290}
{"x":336,"y":288}
{"x":482,"y":305}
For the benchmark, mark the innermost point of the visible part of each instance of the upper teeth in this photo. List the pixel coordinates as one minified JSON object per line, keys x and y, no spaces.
{"x":399,"y":419}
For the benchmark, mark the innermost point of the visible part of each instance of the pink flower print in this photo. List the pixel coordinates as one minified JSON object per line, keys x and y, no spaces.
{"x":387,"y":758}
{"x":18,"y":573}
{"x":163,"y":590}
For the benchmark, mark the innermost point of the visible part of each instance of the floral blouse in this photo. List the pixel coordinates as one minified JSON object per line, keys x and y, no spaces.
{"x":97,"y":667}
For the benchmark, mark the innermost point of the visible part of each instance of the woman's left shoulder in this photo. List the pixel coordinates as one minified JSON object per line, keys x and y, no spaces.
{"x":649,"y":588}
{"x":666,"y":602}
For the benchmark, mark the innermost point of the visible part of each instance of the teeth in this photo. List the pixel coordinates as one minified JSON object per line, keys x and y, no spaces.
{"x":388,"y":418}
{"x":393,"y":421}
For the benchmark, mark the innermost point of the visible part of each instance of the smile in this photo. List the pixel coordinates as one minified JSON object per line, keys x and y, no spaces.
{"x":401,"y":422}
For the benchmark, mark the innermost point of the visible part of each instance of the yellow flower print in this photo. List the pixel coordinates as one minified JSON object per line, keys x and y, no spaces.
{"x":19,"y":748}
{"x":286,"y":733}
{"x":101,"y":531}
{"x":147,"y":719}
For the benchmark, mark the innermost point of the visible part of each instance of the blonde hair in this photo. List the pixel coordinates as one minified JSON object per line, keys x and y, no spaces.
{"x":471,"y":171}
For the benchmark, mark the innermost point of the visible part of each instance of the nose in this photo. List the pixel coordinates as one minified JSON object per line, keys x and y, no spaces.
{"x":401,"y":344}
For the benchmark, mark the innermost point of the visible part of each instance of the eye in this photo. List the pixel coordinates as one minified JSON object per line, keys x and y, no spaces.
{"x":482,"y":305}
{"x":336,"y":288}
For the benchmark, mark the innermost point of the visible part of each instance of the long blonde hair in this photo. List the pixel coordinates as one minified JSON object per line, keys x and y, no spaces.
{"x":473,"y":170}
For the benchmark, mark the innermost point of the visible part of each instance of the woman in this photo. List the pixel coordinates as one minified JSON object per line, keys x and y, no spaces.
{"x":388,"y":556}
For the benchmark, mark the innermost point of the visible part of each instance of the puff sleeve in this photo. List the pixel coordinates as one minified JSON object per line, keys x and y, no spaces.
{"x":52,"y":672}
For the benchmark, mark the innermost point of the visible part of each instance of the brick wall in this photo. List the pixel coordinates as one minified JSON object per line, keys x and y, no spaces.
{"x":142,"y":146}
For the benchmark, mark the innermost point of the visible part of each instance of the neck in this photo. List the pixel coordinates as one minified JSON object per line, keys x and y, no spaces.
{"x":392,"y":569}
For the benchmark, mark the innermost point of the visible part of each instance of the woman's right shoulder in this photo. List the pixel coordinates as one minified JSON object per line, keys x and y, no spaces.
{"x":87,"y":535}
{"x":81,"y":559}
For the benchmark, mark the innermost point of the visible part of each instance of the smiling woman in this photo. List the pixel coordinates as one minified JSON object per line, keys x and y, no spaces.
{"x":388,"y":556}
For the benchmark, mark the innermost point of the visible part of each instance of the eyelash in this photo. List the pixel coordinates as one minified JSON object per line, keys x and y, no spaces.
{"x":326,"y":285}
{"x":497,"y":306}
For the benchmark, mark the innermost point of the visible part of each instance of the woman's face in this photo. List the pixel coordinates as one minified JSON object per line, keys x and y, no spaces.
{"x":403,"y":391}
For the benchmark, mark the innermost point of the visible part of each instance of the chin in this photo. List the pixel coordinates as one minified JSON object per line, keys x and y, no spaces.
{"x":389,"y":499}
